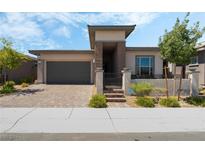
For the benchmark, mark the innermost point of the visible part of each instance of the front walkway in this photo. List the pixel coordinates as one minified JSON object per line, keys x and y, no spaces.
{"x":111,"y":120}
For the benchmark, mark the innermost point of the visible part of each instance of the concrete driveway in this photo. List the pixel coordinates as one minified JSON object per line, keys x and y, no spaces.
{"x":49,"y":96}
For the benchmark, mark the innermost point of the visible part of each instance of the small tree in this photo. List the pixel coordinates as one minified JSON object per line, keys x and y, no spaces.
{"x":179,"y":45}
{"x":10,"y":59}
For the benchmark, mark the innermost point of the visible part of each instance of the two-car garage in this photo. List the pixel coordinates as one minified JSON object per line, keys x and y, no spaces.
{"x":68,"y":72}
{"x":64,"y":66}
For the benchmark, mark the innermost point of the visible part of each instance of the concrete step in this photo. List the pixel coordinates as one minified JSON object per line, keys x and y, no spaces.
{"x":113,"y":87}
{"x":117,"y":99}
{"x":110,"y":95}
{"x":120,"y":91}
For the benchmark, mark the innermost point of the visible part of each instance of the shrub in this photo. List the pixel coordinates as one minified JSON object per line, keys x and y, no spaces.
{"x":169,"y":102}
{"x":23,"y":85}
{"x":145,"y":102}
{"x":7,"y":90}
{"x":8,"y":87}
{"x":195,"y":100}
{"x":203,"y":105}
{"x":98,"y":101}
{"x":9,"y":84}
{"x":27,"y":79}
{"x":142,"y":88}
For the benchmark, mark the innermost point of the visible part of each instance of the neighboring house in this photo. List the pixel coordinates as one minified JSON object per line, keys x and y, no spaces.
{"x":199,"y":62}
{"x":108,"y":51}
{"x":27,"y":71}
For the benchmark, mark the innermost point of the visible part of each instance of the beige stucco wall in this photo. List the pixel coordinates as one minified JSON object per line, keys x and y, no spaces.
{"x":66,"y":57}
{"x":130,"y":60}
{"x":202,"y":74}
{"x":109,"y":35}
{"x":171,"y":68}
{"x":40,"y":71}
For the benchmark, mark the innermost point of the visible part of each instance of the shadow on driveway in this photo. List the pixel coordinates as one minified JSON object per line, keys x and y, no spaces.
{"x":28,"y":92}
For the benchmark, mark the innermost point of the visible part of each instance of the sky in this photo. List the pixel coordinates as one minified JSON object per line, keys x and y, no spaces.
{"x":69,"y":30}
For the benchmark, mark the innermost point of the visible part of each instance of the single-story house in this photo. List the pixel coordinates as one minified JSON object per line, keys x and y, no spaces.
{"x":199,"y":62}
{"x":108,"y":51}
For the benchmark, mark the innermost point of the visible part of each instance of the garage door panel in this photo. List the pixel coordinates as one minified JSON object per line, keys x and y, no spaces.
{"x":68,"y":72}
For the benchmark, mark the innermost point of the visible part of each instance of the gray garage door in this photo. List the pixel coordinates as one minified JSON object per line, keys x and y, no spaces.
{"x":68,"y":72}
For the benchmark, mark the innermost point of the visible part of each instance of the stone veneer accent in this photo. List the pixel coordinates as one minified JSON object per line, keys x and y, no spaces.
{"x":120,"y":57}
{"x":98,"y":54}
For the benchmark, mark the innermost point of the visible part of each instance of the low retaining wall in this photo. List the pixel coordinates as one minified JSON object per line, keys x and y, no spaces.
{"x":160,"y":83}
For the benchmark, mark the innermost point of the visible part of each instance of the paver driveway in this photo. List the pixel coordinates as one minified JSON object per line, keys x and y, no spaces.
{"x":49,"y":96}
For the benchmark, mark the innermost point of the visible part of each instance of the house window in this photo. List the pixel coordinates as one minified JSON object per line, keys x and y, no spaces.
{"x":144,"y":66}
{"x":194,"y":60}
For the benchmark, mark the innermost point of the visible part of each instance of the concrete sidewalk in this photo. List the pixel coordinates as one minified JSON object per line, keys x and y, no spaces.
{"x":111,"y":120}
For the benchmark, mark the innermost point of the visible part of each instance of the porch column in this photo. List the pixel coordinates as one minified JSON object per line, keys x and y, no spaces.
{"x":194,"y":76}
{"x":99,"y":80}
{"x":126,"y":79}
{"x":40,"y":71}
{"x":98,"y":58}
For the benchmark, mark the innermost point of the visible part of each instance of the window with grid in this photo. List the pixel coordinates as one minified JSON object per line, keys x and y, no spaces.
{"x":144,"y":65}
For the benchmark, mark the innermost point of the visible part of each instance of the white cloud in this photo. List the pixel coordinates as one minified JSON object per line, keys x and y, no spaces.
{"x":16,"y":25}
{"x":113,"y":18}
{"x":62,"y":31}
{"x":30,"y":30}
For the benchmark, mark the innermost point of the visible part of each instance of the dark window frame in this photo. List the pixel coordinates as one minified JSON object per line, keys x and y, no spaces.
{"x":152,"y":66}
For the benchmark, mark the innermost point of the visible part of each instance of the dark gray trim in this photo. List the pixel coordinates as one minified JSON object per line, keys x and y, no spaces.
{"x":142,"y":49}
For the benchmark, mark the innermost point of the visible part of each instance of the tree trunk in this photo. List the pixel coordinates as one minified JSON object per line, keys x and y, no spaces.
{"x":180,"y":84}
{"x":166,"y":81}
{"x":4,"y":76}
{"x":174,"y":85}
{"x":1,"y":76}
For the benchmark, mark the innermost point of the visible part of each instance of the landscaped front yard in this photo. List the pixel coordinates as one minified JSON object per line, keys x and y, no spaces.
{"x":146,"y":95}
{"x":131,"y":102}
{"x":41,"y":95}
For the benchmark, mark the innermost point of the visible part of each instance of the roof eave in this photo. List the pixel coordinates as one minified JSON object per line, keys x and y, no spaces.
{"x":38,"y":52}
{"x":142,"y":49}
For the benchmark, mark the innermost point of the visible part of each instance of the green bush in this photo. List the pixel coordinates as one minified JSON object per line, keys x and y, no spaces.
{"x":7,"y":90}
{"x":142,"y":88}
{"x":98,"y":101}
{"x":23,"y":85}
{"x":197,"y":101}
{"x":27,"y":79}
{"x":8,"y":87}
{"x":169,"y":102}
{"x":9,"y":84}
{"x":145,"y":102}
